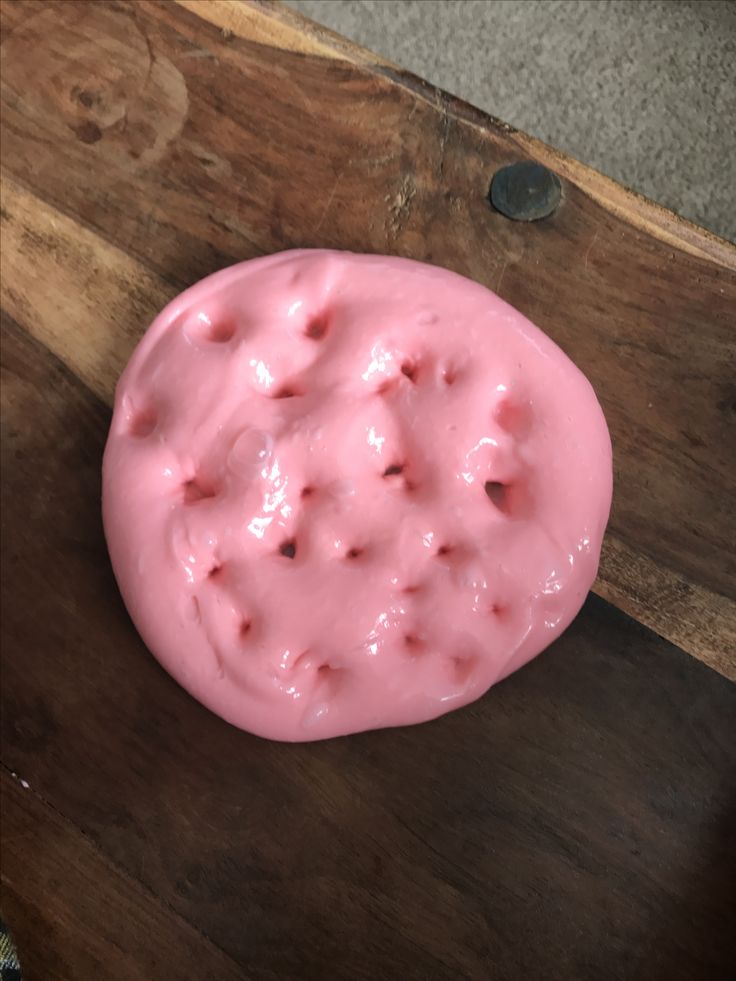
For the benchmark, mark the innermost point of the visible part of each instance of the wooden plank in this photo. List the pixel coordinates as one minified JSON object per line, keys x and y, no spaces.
{"x":576,"y":822}
{"x":184,"y":178}
{"x":99,"y":280}
{"x":76,"y":916}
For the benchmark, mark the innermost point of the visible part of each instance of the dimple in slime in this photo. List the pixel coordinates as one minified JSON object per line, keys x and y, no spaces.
{"x":343,"y":492}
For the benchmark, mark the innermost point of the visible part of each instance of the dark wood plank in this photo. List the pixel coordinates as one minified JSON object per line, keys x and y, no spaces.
{"x":185,"y":146}
{"x":576,"y":822}
{"x":75,"y":916}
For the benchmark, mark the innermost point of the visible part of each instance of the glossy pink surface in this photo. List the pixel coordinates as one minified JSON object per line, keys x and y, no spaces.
{"x":344,"y":492}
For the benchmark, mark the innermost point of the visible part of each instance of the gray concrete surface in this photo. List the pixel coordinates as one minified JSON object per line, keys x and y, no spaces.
{"x":643,"y":90}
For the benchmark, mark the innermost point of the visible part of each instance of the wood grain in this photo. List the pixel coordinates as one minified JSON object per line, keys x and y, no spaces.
{"x":283,"y":27}
{"x":76,"y":916}
{"x":574,"y":823}
{"x":273,"y":26}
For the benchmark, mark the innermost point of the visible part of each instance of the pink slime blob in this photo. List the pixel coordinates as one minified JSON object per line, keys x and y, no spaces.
{"x":344,"y":492}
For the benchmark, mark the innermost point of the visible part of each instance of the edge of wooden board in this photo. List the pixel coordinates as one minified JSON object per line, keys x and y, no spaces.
{"x":696,"y":619}
{"x":272,"y":23}
{"x":279,"y":27}
{"x":701,"y":622}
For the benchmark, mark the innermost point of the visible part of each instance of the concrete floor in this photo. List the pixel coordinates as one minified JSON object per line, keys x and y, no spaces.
{"x":643,"y":90}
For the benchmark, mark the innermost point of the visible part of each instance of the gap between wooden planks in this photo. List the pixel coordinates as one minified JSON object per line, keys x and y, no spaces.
{"x":41,"y":244}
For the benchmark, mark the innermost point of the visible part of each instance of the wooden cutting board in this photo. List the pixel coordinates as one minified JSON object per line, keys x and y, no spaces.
{"x":577,"y":822}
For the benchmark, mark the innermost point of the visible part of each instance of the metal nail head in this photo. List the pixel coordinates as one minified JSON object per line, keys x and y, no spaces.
{"x":525,"y":191}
